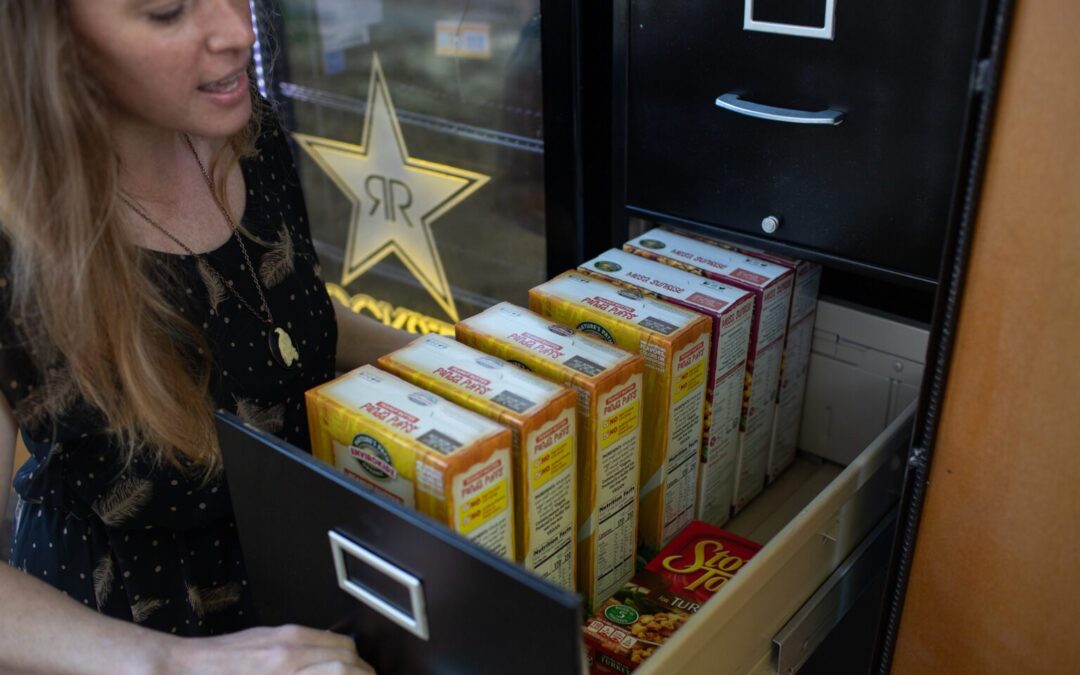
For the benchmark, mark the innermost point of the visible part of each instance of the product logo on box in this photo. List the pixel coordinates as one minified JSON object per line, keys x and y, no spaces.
{"x":607,"y":266}
{"x":560,"y":330}
{"x":489,"y":362}
{"x":710,"y":566}
{"x":597,"y":330}
{"x":373,"y":457}
{"x":464,"y":379}
{"x":423,"y":398}
{"x":653,"y":244}
{"x":624,"y":615}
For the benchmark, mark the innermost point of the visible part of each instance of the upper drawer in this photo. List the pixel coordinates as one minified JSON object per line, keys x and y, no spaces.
{"x":876,"y":189}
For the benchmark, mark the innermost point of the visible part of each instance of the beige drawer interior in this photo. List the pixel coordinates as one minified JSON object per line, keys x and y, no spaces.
{"x":810,"y":519}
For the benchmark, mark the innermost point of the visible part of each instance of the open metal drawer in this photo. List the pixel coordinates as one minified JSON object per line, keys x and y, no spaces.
{"x":810,"y":520}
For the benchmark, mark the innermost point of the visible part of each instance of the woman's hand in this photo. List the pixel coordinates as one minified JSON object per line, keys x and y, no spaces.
{"x":286,"y":649}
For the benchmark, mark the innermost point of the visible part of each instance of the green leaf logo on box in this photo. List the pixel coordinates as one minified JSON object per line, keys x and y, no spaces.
{"x":372,"y":457}
{"x":596,"y":329}
{"x":624,"y":615}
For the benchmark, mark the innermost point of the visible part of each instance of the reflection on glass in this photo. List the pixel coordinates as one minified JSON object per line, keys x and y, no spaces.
{"x":419,"y":124}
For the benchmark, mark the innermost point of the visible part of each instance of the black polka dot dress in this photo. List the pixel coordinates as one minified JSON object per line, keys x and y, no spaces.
{"x":154,"y":545}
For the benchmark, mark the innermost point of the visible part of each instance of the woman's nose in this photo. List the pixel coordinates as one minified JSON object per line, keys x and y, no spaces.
{"x":229,"y":23}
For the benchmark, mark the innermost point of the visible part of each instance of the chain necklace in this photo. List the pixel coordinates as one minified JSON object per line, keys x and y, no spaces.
{"x":281,"y":344}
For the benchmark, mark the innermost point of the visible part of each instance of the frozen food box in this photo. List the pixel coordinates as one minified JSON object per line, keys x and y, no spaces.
{"x":674,"y":343}
{"x":645,"y":613}
{"x":772,"y":288}
{"x":732,"y":311}
{"x":796,"y":361}
{"x":419,"y":450}
{"x":608,"y":382}
{"x":542,"y":417}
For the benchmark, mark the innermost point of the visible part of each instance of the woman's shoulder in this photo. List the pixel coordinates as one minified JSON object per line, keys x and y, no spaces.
{"x":277,"y":191}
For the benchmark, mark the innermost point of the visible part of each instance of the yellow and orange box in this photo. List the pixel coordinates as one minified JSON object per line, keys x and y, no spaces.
{"x":542,"y":418}
{"x":675,"y":345}
{"x":797,"y":347}
{"x":608,"y":383}
{"x":419,"y":450}
{"x":732,"y":311}
{"x":772,"y":287}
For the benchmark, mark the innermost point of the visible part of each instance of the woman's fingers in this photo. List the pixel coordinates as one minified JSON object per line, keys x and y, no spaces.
{"x":336,"y":669}
{"x":283,"y":650}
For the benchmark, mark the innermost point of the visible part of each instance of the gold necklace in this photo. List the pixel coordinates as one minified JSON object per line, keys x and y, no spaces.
{"x":281,"y":344}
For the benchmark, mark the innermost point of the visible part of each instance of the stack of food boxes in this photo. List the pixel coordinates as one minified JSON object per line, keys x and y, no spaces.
{"x":731,"y":311}
{"x":772,"y":285}
{"x":418,"y":450}
{"x":542,"y":418}
{"x":654,"y":386}
{"x":674,"y":344}
{"x":609,"y":386}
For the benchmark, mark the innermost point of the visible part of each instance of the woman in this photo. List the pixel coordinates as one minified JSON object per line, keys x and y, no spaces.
{"x":156,"y":264}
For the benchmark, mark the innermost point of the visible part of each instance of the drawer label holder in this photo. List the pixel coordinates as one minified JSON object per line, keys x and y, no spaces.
{"x":414,"y":621}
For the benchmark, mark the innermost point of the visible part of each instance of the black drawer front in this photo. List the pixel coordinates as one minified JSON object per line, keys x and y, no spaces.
{"x":876,"y":189}
{"x":483,"y":613}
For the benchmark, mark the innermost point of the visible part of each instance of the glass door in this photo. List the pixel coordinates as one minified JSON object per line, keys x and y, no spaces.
{"x":419,"y":135}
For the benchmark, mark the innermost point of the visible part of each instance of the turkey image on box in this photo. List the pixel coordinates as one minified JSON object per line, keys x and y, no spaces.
{"x":771,"y":285}
{"x":674,"y":343}
{"x":542,"y":417}
{"x":608,"y":384}
{"x":732,"y":311}
{"x":419,"y":450}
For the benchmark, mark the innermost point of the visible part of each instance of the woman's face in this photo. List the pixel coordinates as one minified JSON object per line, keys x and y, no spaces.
{"x":176,"y":65}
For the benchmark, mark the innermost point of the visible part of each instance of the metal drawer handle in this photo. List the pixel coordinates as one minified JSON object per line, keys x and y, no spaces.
{"x":735,"y":103}
{"x":416,"y":623}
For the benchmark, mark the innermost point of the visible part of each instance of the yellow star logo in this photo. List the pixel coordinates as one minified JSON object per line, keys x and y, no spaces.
{"x":395,"y":197}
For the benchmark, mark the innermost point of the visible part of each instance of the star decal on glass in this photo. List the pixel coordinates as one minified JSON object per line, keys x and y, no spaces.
{"x":395,"y":197}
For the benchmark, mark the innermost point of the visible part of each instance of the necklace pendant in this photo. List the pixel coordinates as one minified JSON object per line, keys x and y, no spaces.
{"x":282,"y":348}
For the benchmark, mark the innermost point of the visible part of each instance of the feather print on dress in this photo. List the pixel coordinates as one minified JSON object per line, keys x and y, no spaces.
{"x":277,"y":263}
{"x":143,"y":609}
{"x":103,"y":579}
{"x":215,"y":290}
{"x":214,"y":599}
{"x":48,"y":400}
{"x":269,"y":420}
{"x":124,"y":500}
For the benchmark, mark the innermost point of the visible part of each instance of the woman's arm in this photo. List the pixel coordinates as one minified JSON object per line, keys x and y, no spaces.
{"x":7,"y":452}
{"x":362,"y":339}
{"x":44,"y":631}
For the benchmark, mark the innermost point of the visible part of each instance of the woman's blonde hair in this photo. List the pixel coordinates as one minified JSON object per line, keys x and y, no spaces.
{"x":87,"y":300}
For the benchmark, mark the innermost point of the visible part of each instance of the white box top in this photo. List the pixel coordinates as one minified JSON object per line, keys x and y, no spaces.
{"x":696,"y":291}
{"x":560,"y":343}
{"x":442,"y":358}
{"x":656,"y":316}
{"x":418,"y":414}
{"x":744,"y":269}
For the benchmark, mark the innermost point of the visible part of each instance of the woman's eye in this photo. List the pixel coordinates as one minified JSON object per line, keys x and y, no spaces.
{"x":168,"y":15}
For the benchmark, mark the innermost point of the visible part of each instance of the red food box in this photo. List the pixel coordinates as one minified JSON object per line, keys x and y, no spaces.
{"x":643,"y":614}
{"x":701,"y":559}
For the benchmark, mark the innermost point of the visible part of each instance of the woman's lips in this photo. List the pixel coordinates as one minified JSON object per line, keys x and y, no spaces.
{"x":228,"y":92}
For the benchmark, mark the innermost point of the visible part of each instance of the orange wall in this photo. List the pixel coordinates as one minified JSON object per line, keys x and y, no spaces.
{"x":994,"y":586}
